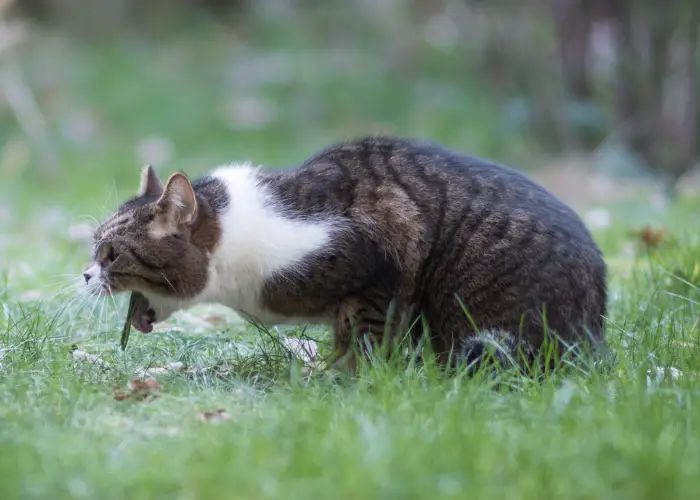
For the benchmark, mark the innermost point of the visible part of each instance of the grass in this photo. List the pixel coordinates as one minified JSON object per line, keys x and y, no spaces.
{"x":397,"y":431}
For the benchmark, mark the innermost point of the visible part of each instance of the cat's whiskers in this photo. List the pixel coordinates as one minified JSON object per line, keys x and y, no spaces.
{"x":70,"y":291}
{"x":79,"y":301}
{"x":113,"y":189}
{"x":54,"y":292}
{"x":168,"y":281}
{"x":69,"y":279}
{"x":114,"y":302}
{"x":93,"y":220}
{"x":101,"y":318}
{"x":67,"y":275}
{"x":94,"y":305}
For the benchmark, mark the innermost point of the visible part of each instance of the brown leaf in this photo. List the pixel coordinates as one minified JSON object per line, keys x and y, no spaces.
{"x":138,"y":389}
{"x":153,"y":384}
{"x":649,"y":236}
{"x":118,"y":394}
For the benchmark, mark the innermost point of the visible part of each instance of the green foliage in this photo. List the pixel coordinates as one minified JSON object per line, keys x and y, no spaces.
{"x":397,"y":431}
{"x":628,"y":430}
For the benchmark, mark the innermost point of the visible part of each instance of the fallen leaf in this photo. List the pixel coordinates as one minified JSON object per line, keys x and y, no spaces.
{"x":215,"y":416}
{"x":649,"y":236}
{"x":118,"y":394}
{"x":153,"y":384}
{"x":138,"y":389}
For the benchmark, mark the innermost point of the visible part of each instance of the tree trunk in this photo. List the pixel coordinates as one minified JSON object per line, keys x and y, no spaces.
{"x":572,"y":26}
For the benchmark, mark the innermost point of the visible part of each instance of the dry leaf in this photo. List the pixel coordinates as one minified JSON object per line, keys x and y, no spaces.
{"x":118,"y":394}
{"x":215,"y":416}
{"x":649,"y":236}
{"x":138,"y":389}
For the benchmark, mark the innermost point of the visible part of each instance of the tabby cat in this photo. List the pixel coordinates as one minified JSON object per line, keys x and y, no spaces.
{"x":374,"y":237}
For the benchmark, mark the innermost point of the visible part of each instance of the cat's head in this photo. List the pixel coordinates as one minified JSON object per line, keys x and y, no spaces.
{"x":157,"y":242}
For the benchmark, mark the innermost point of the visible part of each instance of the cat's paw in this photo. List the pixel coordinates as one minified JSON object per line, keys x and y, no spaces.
{"x":344,"y":366}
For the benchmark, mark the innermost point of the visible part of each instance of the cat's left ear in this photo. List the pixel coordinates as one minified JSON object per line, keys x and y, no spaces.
{"x":151,"y":185}
{"x":178,"y":203}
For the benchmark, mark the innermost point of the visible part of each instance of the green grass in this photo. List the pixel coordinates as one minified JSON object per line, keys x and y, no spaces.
{"x":397,"y":431}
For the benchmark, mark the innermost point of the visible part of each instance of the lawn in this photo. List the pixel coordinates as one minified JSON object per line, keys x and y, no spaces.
{"x":632,"y":431}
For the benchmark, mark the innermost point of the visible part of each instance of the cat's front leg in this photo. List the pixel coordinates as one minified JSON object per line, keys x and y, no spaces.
{"x":356,"y":332}
{"x":344,"y":358}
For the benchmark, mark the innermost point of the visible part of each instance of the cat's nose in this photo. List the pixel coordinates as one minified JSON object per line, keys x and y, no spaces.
{"x":87,"y":277}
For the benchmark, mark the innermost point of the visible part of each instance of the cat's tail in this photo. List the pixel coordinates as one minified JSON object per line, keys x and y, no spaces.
{"x":503,"y":350}
{"x":495,"y":348}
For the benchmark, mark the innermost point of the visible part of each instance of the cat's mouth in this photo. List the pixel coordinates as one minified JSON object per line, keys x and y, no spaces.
{"x":143,"y":316}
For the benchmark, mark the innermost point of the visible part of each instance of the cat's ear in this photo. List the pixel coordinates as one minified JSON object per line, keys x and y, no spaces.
{"x":178,"y":203}
{"x":151,"y":185}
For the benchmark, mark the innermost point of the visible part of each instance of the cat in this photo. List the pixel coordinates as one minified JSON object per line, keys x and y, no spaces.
{"x":374,"y":236}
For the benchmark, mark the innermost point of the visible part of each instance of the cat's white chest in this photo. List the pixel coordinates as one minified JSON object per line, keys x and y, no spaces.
{"x":259,"y":238}
{"x":239,"y":287}
{"x":236,"y":284}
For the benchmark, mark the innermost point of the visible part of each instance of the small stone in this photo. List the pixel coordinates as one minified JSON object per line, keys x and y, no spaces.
{"x":306,"y":350}
{"x":176,"y":366}
{"x":79,"y":355}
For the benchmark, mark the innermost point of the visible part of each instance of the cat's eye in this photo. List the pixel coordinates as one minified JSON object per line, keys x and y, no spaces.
{"x":107,"y":253}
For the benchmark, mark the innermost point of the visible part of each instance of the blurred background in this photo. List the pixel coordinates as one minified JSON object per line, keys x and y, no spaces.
{"x":597,"y":99}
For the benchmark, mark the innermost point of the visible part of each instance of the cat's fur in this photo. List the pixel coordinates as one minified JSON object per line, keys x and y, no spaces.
{"x":360,"y":229}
